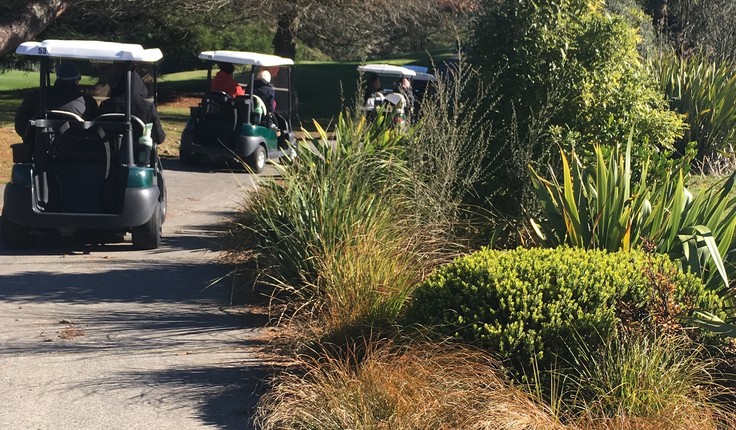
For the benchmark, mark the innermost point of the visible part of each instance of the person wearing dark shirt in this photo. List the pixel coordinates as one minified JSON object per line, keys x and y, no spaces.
{"x":263,"y":88}
{"x":140,"y":107}
{"x":372,"y":87}
{"x":224,"y":81}
{"x":403,"y":87}
{"x":65,"y":95}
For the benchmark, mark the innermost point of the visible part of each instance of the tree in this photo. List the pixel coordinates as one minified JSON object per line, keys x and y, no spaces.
{"x":360,"y":28}
{"x":569,"y":72}
{"x":24,"y":20}
{"x":340,"y":27}
{"x":704,"y":26}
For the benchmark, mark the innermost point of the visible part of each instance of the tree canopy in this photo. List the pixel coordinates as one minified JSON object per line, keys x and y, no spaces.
{"x":341,"y":28}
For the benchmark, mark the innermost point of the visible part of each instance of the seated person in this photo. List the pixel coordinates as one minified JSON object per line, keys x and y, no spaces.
{"x":403,"y":87}
{"x":224,"y":81}
{"x":373,"y":87}
{"x":140,"y":107}
{"x":263,"y":88}
{"x":65,"y":95}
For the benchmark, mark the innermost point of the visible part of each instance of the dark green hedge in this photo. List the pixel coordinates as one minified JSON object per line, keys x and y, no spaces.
{"x":540,"y":303}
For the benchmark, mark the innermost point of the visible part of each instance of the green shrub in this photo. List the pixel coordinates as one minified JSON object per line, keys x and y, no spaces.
{"x":536,"y":304}
{"x":565,"y":67}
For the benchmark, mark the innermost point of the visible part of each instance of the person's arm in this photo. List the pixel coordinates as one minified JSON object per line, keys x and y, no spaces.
{"x":91,"y":111}
{"x":272,"y":98}
{"x":25,"y":113}
{"x":157,"y":133}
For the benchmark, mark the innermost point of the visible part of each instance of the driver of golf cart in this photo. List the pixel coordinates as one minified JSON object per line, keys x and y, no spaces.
{"x":224,"y":81}
{"x":65,"y":95}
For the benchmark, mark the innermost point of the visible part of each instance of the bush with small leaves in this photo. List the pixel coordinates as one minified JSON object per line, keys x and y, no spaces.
{"x":536,"y":305}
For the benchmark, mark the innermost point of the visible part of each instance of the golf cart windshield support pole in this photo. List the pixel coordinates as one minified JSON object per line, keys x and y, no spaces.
{"x":289,"y":87}
{"x":128,"y":154}
{"x":209,"y":76}
{"x":155,"y":84}
{"x":250,"y":88}
{"x":44,"y":86}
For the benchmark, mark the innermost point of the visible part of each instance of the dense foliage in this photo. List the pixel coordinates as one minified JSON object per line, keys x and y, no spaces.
{"x":166,"y":29}
{"x":704,"y":26}
{"x":567,"y":70}
{"x":606,"y":204}
{"x":704,"y":92}
{"x":540,"y":304}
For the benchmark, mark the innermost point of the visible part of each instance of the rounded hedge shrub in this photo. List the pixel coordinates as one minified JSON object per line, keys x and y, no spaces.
{"x":538,"y":304}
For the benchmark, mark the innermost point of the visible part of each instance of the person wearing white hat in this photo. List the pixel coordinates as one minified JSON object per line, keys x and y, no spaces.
{"x":263,"y":88}
{"x":65,"y":95}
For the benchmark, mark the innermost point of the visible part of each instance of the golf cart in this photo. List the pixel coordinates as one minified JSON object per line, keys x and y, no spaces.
{"x":387,"y":100}
{"x":240,"y":127}
{"x":78,"y":176}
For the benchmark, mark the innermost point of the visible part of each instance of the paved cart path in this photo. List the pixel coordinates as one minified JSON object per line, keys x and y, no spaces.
{"x":106,"y":337}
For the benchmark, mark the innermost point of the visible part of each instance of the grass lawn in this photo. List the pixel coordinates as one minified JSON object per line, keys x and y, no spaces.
{"x":15,"y":79}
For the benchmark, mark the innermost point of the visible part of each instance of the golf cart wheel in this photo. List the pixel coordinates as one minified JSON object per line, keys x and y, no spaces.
{"x":15,"y":236}
{"x":148,"y":235}
{"x":257,"y":160}
{"x":189,"y":158}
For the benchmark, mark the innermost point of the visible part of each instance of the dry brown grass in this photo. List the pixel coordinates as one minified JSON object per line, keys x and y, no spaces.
{"x":422,"y":386}
{"x":70,"y":333}
{"x":7,"y":138}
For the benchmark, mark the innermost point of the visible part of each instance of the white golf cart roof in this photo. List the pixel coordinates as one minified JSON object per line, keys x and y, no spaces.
{"x":90,"y":50}
{"x":250,"y":58}
{"x":422,"y":73}
{"x":387,"y":70}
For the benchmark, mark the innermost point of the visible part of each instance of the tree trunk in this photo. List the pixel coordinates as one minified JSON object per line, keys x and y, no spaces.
{"x":28,"y":21}
{"x":284,"y":41}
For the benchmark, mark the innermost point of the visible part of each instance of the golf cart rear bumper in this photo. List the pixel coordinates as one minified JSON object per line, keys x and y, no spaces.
{"x":243,"y":148}
{"x":20,"y":208}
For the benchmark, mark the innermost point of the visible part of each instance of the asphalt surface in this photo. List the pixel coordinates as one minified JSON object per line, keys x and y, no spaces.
{"x":106,"y":337}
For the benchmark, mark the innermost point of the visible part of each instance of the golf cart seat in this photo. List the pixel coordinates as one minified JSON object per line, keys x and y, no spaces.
{"x":120,"y":117}
{"x":114,"y":125}
{"x":258,"y":114}
{"x":62,"y":114}
{"x":72,"y":158}
{"x":218,"y":118}
{"x":396,"y":101}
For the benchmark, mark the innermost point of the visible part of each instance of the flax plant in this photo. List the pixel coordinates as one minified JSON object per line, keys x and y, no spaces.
{"x":705,"y":93}
{"x":602,"y":206}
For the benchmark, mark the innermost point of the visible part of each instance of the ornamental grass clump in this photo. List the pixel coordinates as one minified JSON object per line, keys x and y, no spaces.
{"x":339,"y":234}
{"x":645,"y":382}
{"x":422,"y":386}
{"x":331,"y":191}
